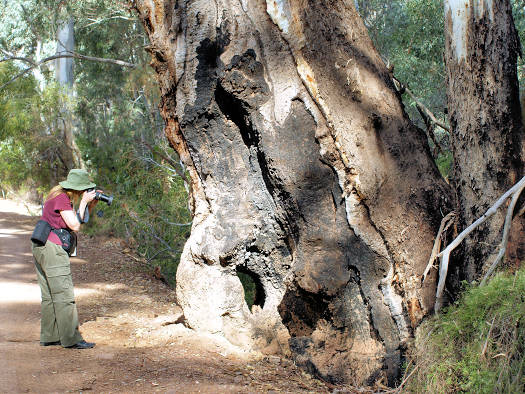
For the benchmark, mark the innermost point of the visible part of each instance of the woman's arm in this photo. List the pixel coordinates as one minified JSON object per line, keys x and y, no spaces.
{"x":70,"y":217}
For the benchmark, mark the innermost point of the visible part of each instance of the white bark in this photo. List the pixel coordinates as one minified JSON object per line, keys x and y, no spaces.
{"x":65,"y":45}
{"x":461,"y":12}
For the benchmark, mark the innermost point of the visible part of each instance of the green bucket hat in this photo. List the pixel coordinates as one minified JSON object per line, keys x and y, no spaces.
{"x":77,"y":179}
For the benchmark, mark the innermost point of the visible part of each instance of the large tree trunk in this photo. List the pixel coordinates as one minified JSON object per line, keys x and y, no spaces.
{"x":306,"y":174}
{"x":487,"y":137}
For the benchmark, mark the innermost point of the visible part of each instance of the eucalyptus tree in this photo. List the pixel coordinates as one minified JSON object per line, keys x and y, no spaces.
{"x":306,"y":174}
{"x":487,"y":137}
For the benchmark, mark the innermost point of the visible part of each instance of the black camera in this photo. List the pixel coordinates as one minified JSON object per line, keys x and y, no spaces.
{"x":102,"y":197}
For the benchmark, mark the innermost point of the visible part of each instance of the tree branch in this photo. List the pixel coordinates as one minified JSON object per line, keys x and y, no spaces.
{"x":403,"y":88}
{"x":11,"y":56}
{"x":16,"y":77}
{"x":169,"y":160}
{"x":445,"y":224}
{"x":445,"y":254}
{"x":505,"y":237}
{"x":65,"y":54}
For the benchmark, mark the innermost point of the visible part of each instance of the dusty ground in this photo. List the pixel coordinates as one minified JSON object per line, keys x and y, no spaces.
{"x":131,"y":316}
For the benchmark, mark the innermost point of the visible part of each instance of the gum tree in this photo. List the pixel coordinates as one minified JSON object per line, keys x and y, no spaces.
{"x":306,"y":175}
{"x":487,"y":139}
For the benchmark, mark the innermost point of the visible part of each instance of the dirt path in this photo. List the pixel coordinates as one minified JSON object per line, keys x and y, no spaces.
{"x":132,"y":318}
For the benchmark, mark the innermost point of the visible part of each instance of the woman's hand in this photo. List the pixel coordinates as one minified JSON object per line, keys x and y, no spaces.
{"x":89,"y":201}
{"x":88,"y":196}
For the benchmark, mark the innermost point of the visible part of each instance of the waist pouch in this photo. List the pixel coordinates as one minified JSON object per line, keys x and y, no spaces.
{"x":41,"y":232}
{"x":68,"y":239}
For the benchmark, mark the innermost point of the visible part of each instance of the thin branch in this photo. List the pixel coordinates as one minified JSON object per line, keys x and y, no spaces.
{"x":430,"y":127}
{"x":16,"y":77}
{"x":398,"y":389}
{"x":488,"y":337}
{"x":505,"y":237}
{"x":405,"y":88}
{"x":96,"y":22}
{"x":445,"y":224}
{"x":67,"y":54}
{"x":175,"y":224}
{"x":14,"y":57}
{"x":77,"y":55}
{"x":445,"y":254}
{"x":169,"y":160}
{"x":169,"y":169}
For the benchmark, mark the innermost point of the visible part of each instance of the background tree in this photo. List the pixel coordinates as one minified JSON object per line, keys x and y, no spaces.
{"x":487,"y":138}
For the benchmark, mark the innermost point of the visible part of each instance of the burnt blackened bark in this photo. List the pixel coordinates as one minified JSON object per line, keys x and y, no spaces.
{"x":487,"y":136}
{"x":306,"y":175}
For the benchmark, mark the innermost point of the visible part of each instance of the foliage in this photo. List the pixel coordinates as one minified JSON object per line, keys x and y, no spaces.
{"x":149,"y":210}
{"x":409,"y":34}
{"x":117,"y":125}
{"x":123,"y":143}
{"x":28,"y":146}
{"x":478,"y":344}
{"x":444,"y":163}
{"x":518,"y":11}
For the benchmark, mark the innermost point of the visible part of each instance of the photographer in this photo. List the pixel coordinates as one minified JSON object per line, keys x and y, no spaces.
{"x":59,"y":320}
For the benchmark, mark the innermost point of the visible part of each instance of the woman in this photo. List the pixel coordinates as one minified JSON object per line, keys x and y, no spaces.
{"x":59,"y":320}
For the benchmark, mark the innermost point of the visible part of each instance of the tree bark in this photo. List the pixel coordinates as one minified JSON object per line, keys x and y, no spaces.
{"x":306,"y":174}
{"x":65,"y":77}
{"x":487,"y":136}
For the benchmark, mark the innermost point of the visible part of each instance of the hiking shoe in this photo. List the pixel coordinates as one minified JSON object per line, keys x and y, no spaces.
{"x":81,"y":345}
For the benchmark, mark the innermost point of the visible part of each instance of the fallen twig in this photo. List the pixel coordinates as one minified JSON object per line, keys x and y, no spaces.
{"x":398,"y":389}
{"x":445,"y":224}
{"x":488,"y":337}
{"x":505,"y":237}
{"x":445,"y":254}
{"x":405,"y":88}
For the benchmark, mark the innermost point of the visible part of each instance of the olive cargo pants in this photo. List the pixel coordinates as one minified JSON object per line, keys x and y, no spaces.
{"x":59,"y":320}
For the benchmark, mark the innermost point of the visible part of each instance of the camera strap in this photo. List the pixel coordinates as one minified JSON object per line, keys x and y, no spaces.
{"x":86,"y":216}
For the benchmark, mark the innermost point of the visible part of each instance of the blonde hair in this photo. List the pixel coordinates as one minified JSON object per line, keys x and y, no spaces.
{"x":74,"y":195}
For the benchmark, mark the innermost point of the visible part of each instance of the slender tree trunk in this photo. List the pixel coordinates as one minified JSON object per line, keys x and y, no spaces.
{"x":487,"y":136}
{"x":306,"y":174}
{"x":65,"y":78}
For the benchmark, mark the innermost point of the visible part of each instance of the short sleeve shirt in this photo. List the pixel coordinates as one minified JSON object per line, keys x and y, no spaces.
{"x":51,"y":214}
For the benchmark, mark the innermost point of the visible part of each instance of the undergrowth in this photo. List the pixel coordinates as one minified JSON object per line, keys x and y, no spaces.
{"x":477,"y":344}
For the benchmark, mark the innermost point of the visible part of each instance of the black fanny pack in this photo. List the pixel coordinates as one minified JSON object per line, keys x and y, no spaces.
{"x":68,"y":239}
{"x":41,"y":233}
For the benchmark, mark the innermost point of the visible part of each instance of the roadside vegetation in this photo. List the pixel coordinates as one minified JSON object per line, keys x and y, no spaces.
{"x":477,"y":345}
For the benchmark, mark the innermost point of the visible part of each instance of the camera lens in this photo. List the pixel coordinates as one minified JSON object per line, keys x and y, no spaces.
{"x":104,"y":197}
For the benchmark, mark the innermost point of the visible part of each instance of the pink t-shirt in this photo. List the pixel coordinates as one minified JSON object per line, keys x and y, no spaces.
{"x":51,"y":214}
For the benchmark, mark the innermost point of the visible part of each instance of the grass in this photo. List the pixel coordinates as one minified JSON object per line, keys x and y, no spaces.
{"x":444,"y":163}
{"x":249,"y":287}
{"x":477,"y":345}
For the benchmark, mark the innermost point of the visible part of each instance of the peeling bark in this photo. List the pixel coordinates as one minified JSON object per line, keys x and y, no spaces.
{"x":487,"y":136}
{"x":306,"y":173}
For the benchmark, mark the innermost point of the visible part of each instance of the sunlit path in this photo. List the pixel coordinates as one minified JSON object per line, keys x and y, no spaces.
{"x":19,"y":291}
{"x":141,"y":344}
